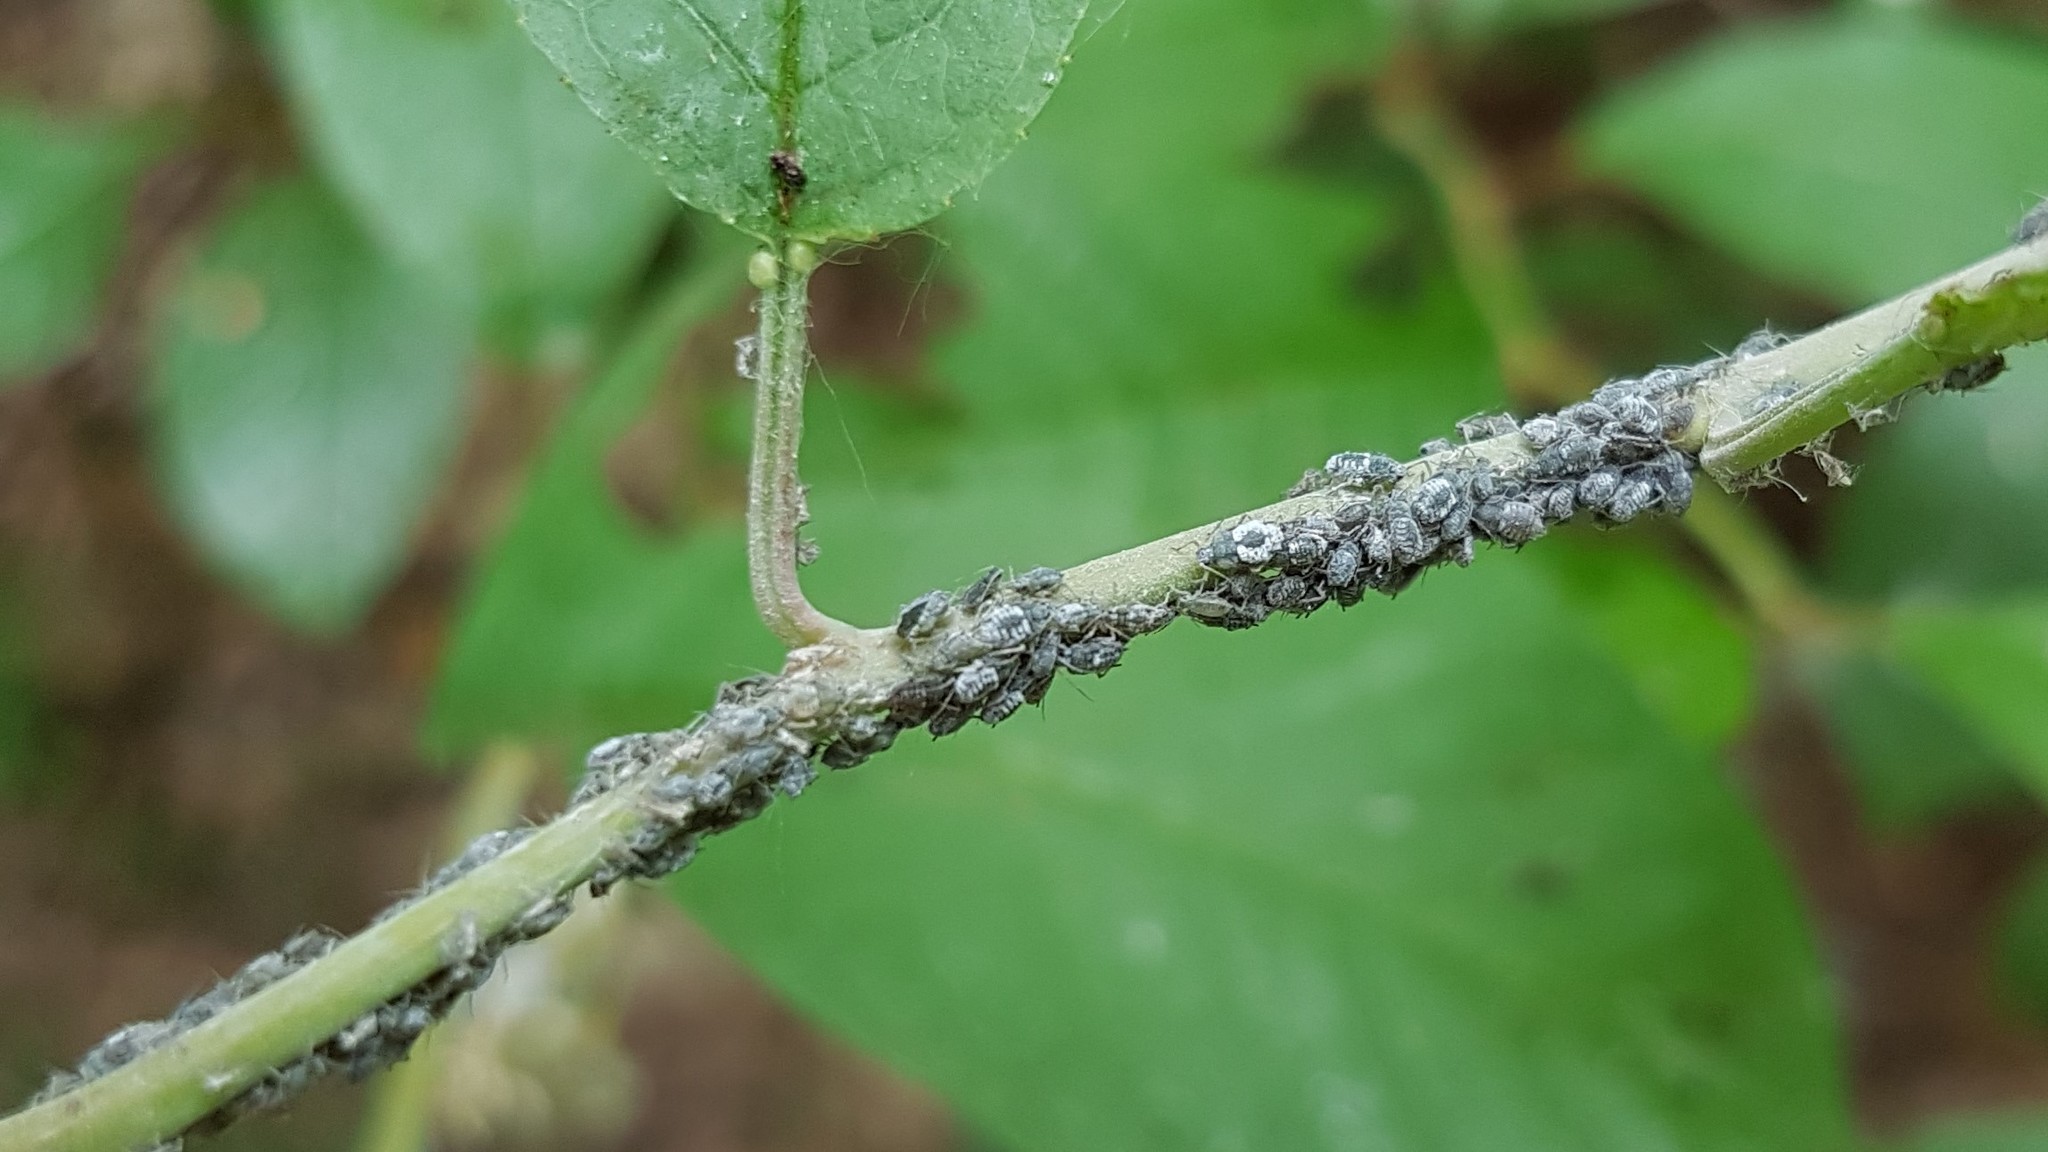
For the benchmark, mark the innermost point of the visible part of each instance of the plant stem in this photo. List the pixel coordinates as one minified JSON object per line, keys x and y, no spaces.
{"x":775,"y":494}
{"x":853,"y":674}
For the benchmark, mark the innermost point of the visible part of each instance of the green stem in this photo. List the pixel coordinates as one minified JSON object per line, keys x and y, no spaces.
{"x":165,"y":1091}
{"x":775,"y":494}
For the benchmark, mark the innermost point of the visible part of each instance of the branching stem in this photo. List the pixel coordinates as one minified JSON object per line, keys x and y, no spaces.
{"x":775,"y":494}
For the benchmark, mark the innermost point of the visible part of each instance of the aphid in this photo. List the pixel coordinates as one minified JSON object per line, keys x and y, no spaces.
{"x":1629,"y":500}
{"x":1458,"y":521}
{"x":1436,"y":447}
{"x":1557,"y":502}
{"x":1256,"y":542}
{"x":741,"y":722}
{"x":749,"y":764}
{"x":1405,"y":537}
{"x":1074,"y":617}
{"x":1001,"y":706}
{"x":1368,"y":468}
{"x":1138,"y":619}
{"x":1461,"y":552}
{"x":1678,"y":416}
{"x":1098,"y":655}
{"x":920,"y":618}
{"x":2033,"y":225}
{"x":1305,"y":549}
{"x":1041,"y":660}
{"x":1485,"y":426}
{"x":1597,"y":488}
{"x":948,"y":722}
{"x":1543,"y":431}
{"x":1975,"y":374}
{"x":1353,"y":514}
{"x":1002,"y":626}
{"x":913,"y":701}
{"x":1668,"y":379}
{"x":1038,"y":581}
{"x":1377,"y":546}
{"x":796,"y":776}
{"x":1342,"y":568}
{"x":1587,"y":414}
{"x":1321,"y":524}
{"x":1571,"y":456}
{"x":1218,"y":555}
{"x":1775,"y":397}
{"x":1287,"y":592}
{"x":1638,"y":416}
{"x":788,"y":170}
{"x":1511,"y":522}
{"x":976,"y":594}
{"x":975,"y":681}
{"x":1433,"y":500}
{"x":1674,"y":489}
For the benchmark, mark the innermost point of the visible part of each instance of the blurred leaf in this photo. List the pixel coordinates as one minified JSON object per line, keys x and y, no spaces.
{"x":1690,"y":666}
{"x":17,"y":698}
{"x":1950,"y":501}
{"x":581,"y":624}
{"x":63,"y":194}
{"x":1914,"y":759}
{"x":1861,"y":152}
{"x":307,"y":395}
{"x":1477,"y":19}
{"x":457,"y":145}
{"x":1990,"y":665}
{"x":894,"y":106}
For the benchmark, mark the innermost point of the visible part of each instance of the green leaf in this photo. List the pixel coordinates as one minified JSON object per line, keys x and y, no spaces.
{"x":460,"y":150}
{"x":1990,"y":665}
{"x":63,"y":192}
{"x":1947,"y":503}
{"x":1859,"y":153}
{"x":307,"y":395}
{"x":2022,"y":944}
{"x":893,"y":106}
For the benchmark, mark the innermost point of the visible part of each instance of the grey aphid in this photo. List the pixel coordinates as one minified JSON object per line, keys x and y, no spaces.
{"x":1074,"y":617}
{"x":1287,"y":592}
{"x":1587,"y":414}
{"x":741,"y":721}
{"x":750,"y":763}
{"x":975,"y":681}
{"x":912,"y":701}
{"x":1353,"y":514}
{"x":1305,"y":549}
{"x":1461,"y":552}
{"x":1206,"y":607}
{"x":1775,"y":397}
{"x":1629,"y":500}
{"x":1557,"y":502}
{"x":1038,"y":581}
{"x":1571,"y":456}
{"x":1436,"y":447}
{"x":1137,"y":619}
{"x":1377,"y":546}
{"x":1543,"y":431}
{"x":947,"y":723}
{"x":1433,"y":500}
{"x":1458,"y":521}
{"x":1001,"y":706}
{"x":1405,"y":537}
{"x":920,"y":617}
{"x":1510,"y":521}
{"x":1678,"y":416}
{"x":1370,"y":468}
{"x":1341,"y":569}
{"x":1966,"y":377}
{"x":1637,"y":415}
{"x":2033,"y":225}
{"x":1486,"y":425}
{"x":1002,"y":626}
{"x":1256,"y":542}
{"x":974,"y":595}
{"x":1675,"y":490}
{"x":1597,"y":488}
{"x":1098,"y":655}
{"x":1668,"y":379}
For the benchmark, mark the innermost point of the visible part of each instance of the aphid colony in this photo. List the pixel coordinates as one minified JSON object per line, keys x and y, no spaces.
{"x":373,"y":1041}
{"x":1613,"y":456}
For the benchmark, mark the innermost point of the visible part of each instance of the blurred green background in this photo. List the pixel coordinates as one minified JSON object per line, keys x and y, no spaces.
{"x":364,"y":406}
